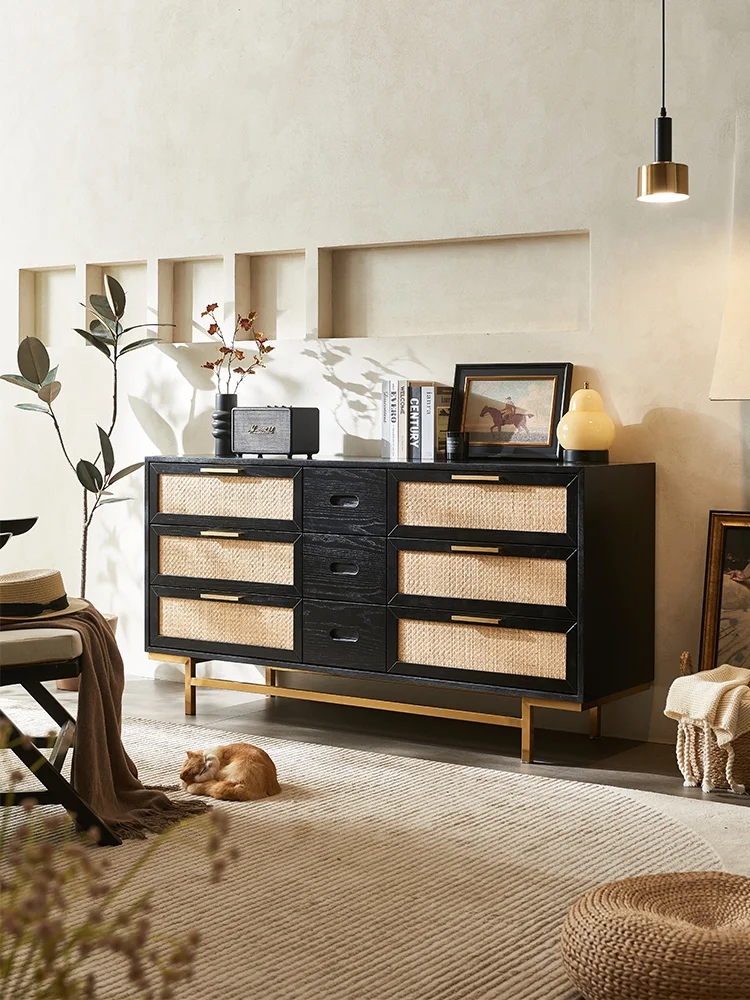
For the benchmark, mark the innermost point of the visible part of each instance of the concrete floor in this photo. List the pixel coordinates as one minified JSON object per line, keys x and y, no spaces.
{"x":648,"y":767}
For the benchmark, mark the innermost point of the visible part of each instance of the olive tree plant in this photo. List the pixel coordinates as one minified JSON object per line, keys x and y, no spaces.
{"x":107,"y":334}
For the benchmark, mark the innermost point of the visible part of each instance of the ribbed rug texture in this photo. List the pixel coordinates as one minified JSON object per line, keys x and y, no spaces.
{"x":375,"y":877}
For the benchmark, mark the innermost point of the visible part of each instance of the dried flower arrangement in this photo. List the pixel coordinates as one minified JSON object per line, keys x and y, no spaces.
{"x":225,"y":366}
{"x":107,"y":334}
{"x":64,"y":914}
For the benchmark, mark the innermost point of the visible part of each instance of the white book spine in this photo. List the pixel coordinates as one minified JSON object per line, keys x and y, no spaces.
{"x":385,"y":419}
{"x":393,"y":418}
{"x":403,"y":420}
{"x":428,"y":423}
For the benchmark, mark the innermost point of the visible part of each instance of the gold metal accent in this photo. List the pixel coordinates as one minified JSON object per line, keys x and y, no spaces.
{"x":477,"y":479}
{"x":220,"y":534}
{"x":477,"y":621}
{"x":475,"y":548}
{"x":221,"y":472}
{"x":219,"y":597}
{"x":663,"y":181}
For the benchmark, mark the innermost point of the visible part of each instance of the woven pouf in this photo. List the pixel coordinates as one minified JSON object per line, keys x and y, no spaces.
{"x":676,"y":936}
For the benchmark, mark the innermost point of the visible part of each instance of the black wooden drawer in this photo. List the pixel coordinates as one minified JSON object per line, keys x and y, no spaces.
{"x":225,"y":495}
{"x":351,"y":636}
{"x":345,"y":501}
{"x":531,"y":507}
{"x":507,"y":652}
{"x":237,"y":559}
{"x":237,"y":625}
{"x":350,"y":568}
{"x":539,"y":581}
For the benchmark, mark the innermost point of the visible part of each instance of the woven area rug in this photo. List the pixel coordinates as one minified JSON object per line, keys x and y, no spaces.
{"x":375,"y":877}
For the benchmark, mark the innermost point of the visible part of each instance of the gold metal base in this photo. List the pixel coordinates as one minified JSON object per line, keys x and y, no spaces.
{"x":524,"y":722}
{"x":663,"y":181}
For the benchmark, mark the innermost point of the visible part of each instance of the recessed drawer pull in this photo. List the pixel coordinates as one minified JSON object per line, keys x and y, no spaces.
{"x":344,"y":569}
{"x":221,"y":472}
{"x":344,"y":634}
{"x":220,"y":534}
{"x":344,"y":500}
{"x":475,"y":548}
{"x":220,"y":597}
{"x":477,"y":621}
{"x":479,"y":479}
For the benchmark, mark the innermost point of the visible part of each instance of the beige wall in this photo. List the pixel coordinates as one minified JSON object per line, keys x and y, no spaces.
{"x":140,"y":130}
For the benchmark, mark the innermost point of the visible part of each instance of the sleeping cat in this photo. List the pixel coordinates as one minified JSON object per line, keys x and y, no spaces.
{"x":239,"y":772}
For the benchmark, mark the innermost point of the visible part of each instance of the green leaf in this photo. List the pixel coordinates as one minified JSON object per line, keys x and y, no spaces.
{"x":49,"y":392}
{"x":33,"y":360}
{"x":139,"y":343}
{"x":114,"y":500}
{"x":100,"y":304}
{"x":32,"y":406}
{"x":145,"y":326}
{"x":20,"y":380}
{"x":98,"y":329}
{"x":51,"y":375}
{"x":108,"y":455}
{"x":89,"y":476}
{"x":124,"y":472}
{"x":99,"y":344}
{"x":115,"y":294}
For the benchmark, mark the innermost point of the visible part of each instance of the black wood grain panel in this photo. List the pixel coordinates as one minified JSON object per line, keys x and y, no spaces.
{"x":344,"y":568}
{"x":344,"y":501}
{"x":344,"y":635}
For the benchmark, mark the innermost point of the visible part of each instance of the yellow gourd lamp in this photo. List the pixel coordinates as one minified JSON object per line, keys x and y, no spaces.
{"x":586,"y":431}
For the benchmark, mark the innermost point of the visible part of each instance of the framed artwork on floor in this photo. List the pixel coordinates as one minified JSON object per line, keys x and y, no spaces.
{"x":725,"y":630}
{"x":510,"y":411}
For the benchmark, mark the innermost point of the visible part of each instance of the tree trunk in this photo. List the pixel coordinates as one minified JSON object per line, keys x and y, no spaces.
{"x":84,"y":542}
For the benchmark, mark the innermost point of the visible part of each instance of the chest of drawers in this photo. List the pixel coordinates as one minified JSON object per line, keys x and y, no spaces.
{"x":530,"y":579}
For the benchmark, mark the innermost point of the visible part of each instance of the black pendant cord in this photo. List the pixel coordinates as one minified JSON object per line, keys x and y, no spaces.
{"x":663,"y":61}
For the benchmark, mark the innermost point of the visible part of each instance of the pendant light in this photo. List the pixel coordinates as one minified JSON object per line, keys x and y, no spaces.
{"x":663,"y":180}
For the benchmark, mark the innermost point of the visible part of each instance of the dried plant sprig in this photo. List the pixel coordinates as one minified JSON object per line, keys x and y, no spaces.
{"x":225,"y":365}
{"x":63,"y":915}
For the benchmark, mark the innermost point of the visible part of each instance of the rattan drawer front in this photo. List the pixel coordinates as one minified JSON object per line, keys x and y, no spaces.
{"x":482,"y":577}
{"x":244,"y":560}
{"x":484,"y":648}
{"x":228,"y":622}
{"x":252,"y":497}
{"x":483,"y":506}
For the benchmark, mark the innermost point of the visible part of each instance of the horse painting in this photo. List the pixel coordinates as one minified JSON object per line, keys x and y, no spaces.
{"x":500,"y":418}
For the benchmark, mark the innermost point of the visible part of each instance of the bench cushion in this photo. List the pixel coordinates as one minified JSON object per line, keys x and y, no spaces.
{"x":19,"y":647}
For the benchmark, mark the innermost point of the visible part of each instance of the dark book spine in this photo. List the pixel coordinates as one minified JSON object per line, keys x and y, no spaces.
{"x":415,"y":422}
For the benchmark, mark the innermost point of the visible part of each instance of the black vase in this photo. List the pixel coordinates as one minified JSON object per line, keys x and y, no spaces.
{"x":221,"y":423}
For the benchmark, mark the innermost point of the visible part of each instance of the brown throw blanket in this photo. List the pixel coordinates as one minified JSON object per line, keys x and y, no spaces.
{"x":103,"y":774}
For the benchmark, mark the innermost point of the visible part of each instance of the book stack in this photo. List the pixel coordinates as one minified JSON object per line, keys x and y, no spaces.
{"x":414,"y":420}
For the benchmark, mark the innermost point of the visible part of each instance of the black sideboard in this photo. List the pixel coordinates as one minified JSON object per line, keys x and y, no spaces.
{"x":533,"y":579}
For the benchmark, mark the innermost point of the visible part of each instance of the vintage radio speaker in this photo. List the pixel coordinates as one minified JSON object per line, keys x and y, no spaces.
{"x":276,"y":430}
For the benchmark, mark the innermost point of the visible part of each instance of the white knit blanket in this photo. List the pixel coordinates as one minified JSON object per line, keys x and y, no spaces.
{"x":716,"y":700}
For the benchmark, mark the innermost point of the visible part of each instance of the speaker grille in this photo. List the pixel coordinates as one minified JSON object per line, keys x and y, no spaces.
{"x":227,"y":496}
{"x":482,"y":647}
{"x":486,"y":506}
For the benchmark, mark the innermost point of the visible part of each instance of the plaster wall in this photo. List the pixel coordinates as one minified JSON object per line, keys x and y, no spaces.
{"x":139,"y":130}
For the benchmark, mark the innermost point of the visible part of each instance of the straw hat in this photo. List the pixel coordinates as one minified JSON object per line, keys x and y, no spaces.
{"x":36,"y":593}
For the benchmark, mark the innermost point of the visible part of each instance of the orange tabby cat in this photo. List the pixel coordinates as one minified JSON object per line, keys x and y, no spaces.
{"x":239,"y":771}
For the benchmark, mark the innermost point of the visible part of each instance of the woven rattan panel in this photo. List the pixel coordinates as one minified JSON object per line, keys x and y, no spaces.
{"x":216,"y":621}
{"x":227,"y":496}
{"x":486,"y":506}
{"x":482,"y":647}
{"x":482,"y":577}
{"x":227,"y":559}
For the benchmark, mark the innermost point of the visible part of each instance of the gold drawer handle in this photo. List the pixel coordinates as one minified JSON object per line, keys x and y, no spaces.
{"x":471,"y":548}
{"x":221,"y":472}
{"x":477,"y":479}
{"x":220,"y":597}
{"x":477,"y":621}
{"x":220,"y":534}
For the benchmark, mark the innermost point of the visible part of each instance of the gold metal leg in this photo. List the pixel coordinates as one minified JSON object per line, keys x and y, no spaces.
{"x":189,"y":687}
{"x":527,"y":732}
{"x":270,"y":677}
{"x":595,"y":722}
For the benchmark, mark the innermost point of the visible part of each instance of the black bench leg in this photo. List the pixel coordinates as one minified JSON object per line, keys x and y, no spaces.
{"x":58,"y":786}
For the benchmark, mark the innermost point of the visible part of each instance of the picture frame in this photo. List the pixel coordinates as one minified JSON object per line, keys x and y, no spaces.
{"x":530,"y":400}
{"x":725,"y":626}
